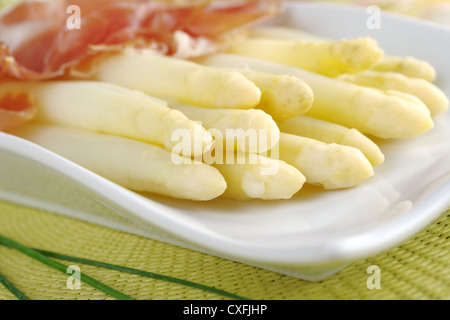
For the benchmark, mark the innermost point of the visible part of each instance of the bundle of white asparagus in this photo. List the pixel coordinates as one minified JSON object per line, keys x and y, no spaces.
{"x":279,"y":110}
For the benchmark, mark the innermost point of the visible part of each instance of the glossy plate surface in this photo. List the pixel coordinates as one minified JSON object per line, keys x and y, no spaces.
{"x":310,"y":236}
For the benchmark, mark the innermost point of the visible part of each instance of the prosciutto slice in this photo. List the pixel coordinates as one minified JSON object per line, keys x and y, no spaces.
{"x":38,"y":43}
{"x":15,"y":109}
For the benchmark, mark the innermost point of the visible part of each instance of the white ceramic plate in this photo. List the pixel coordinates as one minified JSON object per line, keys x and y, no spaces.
{"x":311,"y":236}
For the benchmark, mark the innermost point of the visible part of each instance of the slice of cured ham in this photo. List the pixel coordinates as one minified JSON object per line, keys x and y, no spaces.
{"x":37,"y":43}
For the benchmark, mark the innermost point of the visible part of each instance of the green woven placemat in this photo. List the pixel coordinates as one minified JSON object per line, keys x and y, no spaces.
{"x":417,"y":269}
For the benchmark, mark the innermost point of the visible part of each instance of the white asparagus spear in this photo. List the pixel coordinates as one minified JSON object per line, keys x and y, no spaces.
{"x":384,"y":114}
{"x":159,"y":75}
{"x":250,"y":130}
{"x":331,"y":166}
{"x":326,"y":57}
{"x":282,"y":96}
{"x":130,"y":163}
{"x":427,"y":92}
{"x":409,"y":66}
{"x":329,"y":132}
{"x":109,"y":108}
{"x":258,"y":177}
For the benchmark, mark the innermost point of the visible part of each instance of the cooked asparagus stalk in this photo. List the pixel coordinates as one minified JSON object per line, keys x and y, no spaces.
{"x":258,"y":177}
{"x":427,"y":92}
{"x":329,"y":132}
{"x":326,"y":57}
{"x":189,"y":82}
{"x":331,"y":166}
{"x":130,"y":163}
